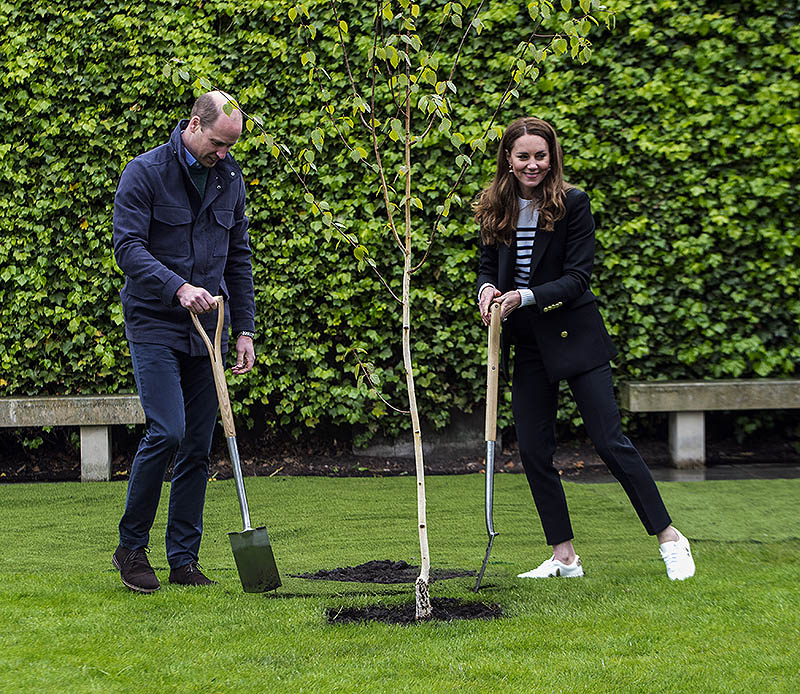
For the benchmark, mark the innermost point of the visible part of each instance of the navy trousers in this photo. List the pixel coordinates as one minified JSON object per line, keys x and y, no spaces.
{"x":535,"y":405}
{"x":179,"y":400}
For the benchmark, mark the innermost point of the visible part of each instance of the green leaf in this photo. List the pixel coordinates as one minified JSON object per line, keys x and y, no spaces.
{"x":394,"y":56}
{"x":478,"y":143}
{"x":317,"y":139}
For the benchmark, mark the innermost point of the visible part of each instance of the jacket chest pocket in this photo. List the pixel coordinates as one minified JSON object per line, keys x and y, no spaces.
{"x":170,"y":231}
{"x":222,"y":231}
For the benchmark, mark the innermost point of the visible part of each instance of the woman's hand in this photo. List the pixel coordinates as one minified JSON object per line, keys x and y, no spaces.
{"x":508,"y":302}
{"x":488,"y":295}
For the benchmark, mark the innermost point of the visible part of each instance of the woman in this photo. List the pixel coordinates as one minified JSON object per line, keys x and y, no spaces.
{"x":537,"y":252}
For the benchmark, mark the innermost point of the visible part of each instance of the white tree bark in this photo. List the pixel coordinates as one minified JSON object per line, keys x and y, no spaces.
{"x":422,"y":595}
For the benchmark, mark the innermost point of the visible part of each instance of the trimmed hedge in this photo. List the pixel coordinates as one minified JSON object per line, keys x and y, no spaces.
{"x":684,"y":128}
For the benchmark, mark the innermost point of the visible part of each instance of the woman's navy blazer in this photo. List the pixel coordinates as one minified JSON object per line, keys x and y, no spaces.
{"x":565,"y":323}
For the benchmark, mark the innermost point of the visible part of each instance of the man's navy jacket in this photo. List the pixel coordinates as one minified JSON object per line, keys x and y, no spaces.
{"x":165,"y":235}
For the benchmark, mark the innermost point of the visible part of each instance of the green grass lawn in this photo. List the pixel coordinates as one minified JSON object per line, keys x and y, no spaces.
{"x":68,"y":625}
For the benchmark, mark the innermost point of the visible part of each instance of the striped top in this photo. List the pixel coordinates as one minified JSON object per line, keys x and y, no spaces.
{"x":526,"y":233}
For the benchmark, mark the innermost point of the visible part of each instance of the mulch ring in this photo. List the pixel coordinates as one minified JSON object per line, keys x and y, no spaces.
{"x":387,"y":571}
{"x":382,"y":571}
{"x":444,"y":610}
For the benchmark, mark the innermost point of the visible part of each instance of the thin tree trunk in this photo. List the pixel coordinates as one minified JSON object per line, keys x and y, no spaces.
{"x":423,"y":600}
{"x":422,"y":594}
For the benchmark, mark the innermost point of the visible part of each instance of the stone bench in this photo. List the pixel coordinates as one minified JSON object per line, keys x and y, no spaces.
{"x":94,"y":414}
{"x":687,"y":401}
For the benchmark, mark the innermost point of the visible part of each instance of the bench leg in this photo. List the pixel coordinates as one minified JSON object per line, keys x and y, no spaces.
{"x":687,"y":439}
{"x":95,"y":454}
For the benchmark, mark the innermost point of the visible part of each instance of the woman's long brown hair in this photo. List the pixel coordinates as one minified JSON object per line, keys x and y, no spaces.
{"x":497,"y":208}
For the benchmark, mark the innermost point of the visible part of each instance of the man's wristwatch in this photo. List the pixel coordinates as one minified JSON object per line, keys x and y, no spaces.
{"x":246,"y":333}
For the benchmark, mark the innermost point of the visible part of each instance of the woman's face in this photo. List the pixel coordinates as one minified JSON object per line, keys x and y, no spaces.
{"x":529,"y":160}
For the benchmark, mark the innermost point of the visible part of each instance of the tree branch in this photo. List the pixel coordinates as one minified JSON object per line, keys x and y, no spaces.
{"x":466,"y":165}
{"x":374,"y":388}
{"x":379,"y":161}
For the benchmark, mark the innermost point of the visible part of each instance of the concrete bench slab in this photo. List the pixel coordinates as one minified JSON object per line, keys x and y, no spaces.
{"x":687,"y":401}
{"x":732,"y":394}
{"x":94,"y":414}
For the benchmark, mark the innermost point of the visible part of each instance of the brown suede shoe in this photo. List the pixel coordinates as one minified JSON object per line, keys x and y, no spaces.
{"x":135,"y":570}
{"x":190,"y":575}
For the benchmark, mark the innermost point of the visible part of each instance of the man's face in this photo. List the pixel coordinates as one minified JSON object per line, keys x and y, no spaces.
{"x":210,"y":144}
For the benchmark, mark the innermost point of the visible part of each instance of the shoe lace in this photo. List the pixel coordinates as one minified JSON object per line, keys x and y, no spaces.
{"x":138,"y":557}
{"x":673,"y":554}
{"x":194,"y":567}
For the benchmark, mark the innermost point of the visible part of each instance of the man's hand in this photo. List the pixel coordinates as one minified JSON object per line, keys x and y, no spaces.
{"x":245,"y":355}
{"x":196,"y":299}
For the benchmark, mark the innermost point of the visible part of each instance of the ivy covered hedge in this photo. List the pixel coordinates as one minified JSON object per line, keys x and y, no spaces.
{"x":684,"y":127}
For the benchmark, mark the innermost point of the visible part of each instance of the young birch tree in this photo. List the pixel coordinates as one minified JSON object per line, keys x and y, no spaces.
{"x":399,"y":97}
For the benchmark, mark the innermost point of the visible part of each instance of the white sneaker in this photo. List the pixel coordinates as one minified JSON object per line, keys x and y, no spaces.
{"x":552,"y":567}
{"x":678,"y":558}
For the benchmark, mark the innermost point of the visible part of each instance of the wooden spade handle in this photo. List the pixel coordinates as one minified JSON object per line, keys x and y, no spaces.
{"x":493,"y":373}
{"x":218,"y":366}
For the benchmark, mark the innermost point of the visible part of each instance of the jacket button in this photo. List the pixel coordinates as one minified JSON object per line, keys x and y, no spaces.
{"x":564,"y":334}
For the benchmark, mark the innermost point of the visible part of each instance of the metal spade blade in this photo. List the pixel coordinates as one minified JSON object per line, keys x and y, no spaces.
{"x":254,"y":560}
{"x":252,"y":551}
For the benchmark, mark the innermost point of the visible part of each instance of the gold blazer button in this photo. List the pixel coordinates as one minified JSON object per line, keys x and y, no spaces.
{"x":564,"y":334}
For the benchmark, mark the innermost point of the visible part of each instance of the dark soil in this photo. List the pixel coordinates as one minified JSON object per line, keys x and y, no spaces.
{"x":382,"y":571}
{"x":444,"y":609}
{"x":58,"y":458}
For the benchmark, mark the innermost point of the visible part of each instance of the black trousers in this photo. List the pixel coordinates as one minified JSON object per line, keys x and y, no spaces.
{"x":535,"y":405}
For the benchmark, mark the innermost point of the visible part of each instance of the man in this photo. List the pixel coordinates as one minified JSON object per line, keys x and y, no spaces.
{"x":180,"y":237}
